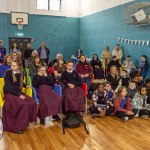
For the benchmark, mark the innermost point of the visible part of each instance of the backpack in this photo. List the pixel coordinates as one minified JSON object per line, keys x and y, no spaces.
{"x":73,"y":120}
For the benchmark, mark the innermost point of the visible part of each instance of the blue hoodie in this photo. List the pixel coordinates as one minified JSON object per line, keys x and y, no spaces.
{"x":3,"y":69}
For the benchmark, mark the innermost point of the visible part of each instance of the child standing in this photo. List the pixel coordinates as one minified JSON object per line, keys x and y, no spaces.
{"x":143,"y":66}
{"x":19,"y":110}
{"x":140,"y":103}
{"x":49,"y":101}
{"x":123,"y":107}
{"x":101,"y":102}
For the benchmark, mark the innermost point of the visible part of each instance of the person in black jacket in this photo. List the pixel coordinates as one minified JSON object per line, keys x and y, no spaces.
{"x":73,"y":97}
{"x":44,"y":52}
{"x":27,"y":54}
{"x":97,"y":67}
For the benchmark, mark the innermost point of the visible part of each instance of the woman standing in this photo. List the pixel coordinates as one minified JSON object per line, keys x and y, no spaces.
{"x":106,"y":56}
{"x":14,"y":48}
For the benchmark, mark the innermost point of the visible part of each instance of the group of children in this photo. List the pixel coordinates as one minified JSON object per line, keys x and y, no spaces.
{"x":120,"y":94}
{"x":132,"y":99}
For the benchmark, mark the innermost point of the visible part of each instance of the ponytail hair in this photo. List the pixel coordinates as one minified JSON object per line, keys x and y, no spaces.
{"x":20,"y":66}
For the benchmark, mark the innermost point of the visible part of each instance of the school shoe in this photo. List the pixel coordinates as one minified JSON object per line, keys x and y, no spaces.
{"x":48,"y":122}
{"x":125,"y":119}
{"x":20,"y":132}
{"x":145,"y":116}
{"x":42,"y":121}
{"x":56,"y":117}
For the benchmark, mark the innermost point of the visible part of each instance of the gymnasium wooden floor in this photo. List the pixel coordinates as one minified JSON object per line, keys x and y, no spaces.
{"x":107,"y":133}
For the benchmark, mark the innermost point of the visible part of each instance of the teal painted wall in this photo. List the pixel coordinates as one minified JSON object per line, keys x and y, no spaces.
{"x":61,"y":34}
{"x":104,"y":28}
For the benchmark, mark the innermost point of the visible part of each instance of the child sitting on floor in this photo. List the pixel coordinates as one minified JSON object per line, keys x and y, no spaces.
{"x":109,"y":91}
{"x":140,"y":103}
{"x":122,"y":104}
{"x":132,"y":89}
{"x":101,"y":103}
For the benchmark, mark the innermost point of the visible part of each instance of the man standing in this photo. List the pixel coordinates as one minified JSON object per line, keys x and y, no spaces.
{"x":2,"y":51}
{"x":44,"y":52}
{"x":27,"y":54}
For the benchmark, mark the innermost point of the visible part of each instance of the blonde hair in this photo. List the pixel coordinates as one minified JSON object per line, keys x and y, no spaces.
{"x":19,"y":64}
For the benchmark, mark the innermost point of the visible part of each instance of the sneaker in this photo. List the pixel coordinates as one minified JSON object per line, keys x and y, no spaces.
{"x":20,"y":132}
{"x":125,"y":119}
{"x":55,"y":117}
{"x":137,"y":115}
{"x":145,"y":116}
{"x":42,"y":121}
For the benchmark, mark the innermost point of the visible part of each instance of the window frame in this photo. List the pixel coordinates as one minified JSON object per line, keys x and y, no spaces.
{"x":49,"y":10}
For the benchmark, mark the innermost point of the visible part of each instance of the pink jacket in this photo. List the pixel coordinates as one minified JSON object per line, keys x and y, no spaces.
{"x":118,"y":102}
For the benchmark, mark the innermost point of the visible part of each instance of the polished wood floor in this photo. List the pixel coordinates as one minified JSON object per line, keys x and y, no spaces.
{"x":107,"y":133}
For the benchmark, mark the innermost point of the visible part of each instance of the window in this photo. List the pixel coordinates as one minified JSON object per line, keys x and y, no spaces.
{"x":53,"y":5}
{"x":42,"y":4}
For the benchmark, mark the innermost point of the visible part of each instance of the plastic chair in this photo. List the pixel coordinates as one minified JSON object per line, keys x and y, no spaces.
{"x":85,"y":91}
{"x":51,"y":70}
{"x":35,"y":96}
{"x":28,"y":81}
{"x":1,"y":95}
{"x":27,"y":71}
{"x":57,"y":89}
{"x":1,"y":92}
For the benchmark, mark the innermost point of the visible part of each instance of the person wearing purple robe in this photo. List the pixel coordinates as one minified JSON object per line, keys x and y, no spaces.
{"x":73,"y":97}
{"x":19,"y":110}
{"x":49,"y":101}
